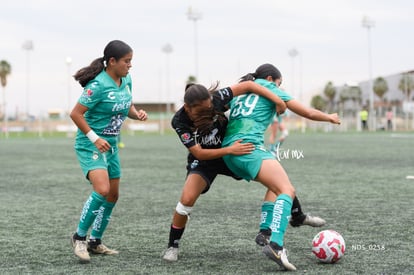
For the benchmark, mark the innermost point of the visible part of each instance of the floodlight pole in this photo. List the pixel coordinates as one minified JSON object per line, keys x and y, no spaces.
{"x":167,"y":49}
{"x":5,"y":118}
{"x":368,"y":24}
{"x":194,"y":16}
{"x":28,"y":46}
{"x":68,"y":64}
{"x":293,"y":53}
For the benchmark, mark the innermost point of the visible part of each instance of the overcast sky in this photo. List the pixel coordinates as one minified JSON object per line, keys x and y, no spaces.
{"x":234,"y":37}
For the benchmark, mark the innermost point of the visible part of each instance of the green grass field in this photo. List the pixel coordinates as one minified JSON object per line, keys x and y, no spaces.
{"x":356,"y":181}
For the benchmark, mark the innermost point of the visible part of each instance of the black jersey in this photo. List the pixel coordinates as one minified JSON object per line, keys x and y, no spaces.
{"x":182,"y":124}
{"x":189,"y":136}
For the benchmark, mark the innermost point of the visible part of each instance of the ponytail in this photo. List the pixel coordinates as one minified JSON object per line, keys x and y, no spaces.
{"x":262,"y":72}
{"x":86,"y":74}
{"x":248,"y":77}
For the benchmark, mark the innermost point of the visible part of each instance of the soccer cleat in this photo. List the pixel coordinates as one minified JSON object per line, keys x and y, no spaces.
{"x":278,"y":256}
{"x":80,"y":249}
{"x":96,"y":247}
{"x":171,"y":254}
{"x":313,"y":221}
{"x":263,"y":237}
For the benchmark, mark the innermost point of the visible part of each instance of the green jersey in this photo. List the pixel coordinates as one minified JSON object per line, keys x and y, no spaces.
{"x":108,"y":105}
{"x":251,"y":115}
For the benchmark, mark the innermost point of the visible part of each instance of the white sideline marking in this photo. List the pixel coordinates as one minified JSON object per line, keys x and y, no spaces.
{"x":402,"y":135}
{"x":409,"y":177}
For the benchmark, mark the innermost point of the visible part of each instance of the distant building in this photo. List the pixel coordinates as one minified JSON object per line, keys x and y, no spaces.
{"x":351,"y":98}
{"x":155,"y":107}
{"x":393,"y":95}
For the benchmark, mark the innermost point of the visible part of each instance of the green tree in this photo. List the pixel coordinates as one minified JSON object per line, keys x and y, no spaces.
{"x":5,"y":70}
{"x":406,"y":85}
{"x":191,"y":79}
{"x":380,"y":87}
{"x":352,"y":93}
{"x":330,"y":93}
{"x":318,"y":102}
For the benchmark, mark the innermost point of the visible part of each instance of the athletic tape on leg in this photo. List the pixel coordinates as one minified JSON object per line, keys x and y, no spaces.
{"x":183,"y":210}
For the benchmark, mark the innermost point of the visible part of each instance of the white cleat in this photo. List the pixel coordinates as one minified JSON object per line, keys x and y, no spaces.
{"x":171,"y":254}
{"x":80,"y":249}
{"x":313,"y":221}
{"x":278,"y":256}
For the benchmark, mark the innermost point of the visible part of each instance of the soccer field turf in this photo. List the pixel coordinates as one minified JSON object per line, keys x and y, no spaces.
{"x":356,"y":181}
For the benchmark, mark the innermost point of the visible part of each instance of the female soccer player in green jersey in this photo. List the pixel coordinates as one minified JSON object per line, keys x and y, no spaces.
{"x":105,"y":103}
{"x":201,"y":126}
{"x":249,"y":118}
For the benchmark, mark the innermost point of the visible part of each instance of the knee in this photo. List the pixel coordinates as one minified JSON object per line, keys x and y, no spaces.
{"x":112,"y":196}
{"x":188,"y":200}
{"x":103,"y":192}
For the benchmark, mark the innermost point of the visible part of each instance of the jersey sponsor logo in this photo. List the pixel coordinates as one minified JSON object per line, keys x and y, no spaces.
{"x":124,"y":97}
{"x":111,"y":95}
{"x":121,"y":106}
{"x":185,"y":138}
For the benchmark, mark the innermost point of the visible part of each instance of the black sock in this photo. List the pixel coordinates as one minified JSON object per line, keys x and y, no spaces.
{"x":79,"y":238}
{"x":266,"y":231}
{"x":275,"y":246}
{"x":175,"y":236}
{"x":296,"y":211}
{"x":94,"y":242}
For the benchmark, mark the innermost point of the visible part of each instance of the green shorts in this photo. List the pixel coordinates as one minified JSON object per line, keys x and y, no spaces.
{"x":90,"y":159}
{"x":247,"y":166}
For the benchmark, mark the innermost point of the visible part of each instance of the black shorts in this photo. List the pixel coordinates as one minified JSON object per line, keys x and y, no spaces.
{"x":209,"y":169}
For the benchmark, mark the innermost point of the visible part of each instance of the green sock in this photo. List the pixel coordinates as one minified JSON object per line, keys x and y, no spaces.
{"x":89,"y":212}
{"x":281,"y":213}
{"x":266,"y":216}
{"x":102,"y":220}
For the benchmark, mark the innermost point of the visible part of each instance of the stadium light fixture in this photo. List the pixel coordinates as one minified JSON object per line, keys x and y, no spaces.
{"x":368,"y":24}
{"x":194,"y":16}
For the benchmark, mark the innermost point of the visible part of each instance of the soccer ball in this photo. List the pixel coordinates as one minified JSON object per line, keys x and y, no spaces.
{"x":328,"y":246}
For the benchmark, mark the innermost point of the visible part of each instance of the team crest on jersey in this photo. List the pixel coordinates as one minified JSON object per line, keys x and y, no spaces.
{"x":185,"y":137}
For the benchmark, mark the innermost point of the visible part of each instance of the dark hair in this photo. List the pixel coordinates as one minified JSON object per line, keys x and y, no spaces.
{"x":262,"y":72}
{"x":205,"y":119}
{"x":194,"y":93}
{"x":116,"y":49}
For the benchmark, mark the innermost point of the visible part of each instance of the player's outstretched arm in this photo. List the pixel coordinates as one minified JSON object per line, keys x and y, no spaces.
{"x":311,"y":113}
